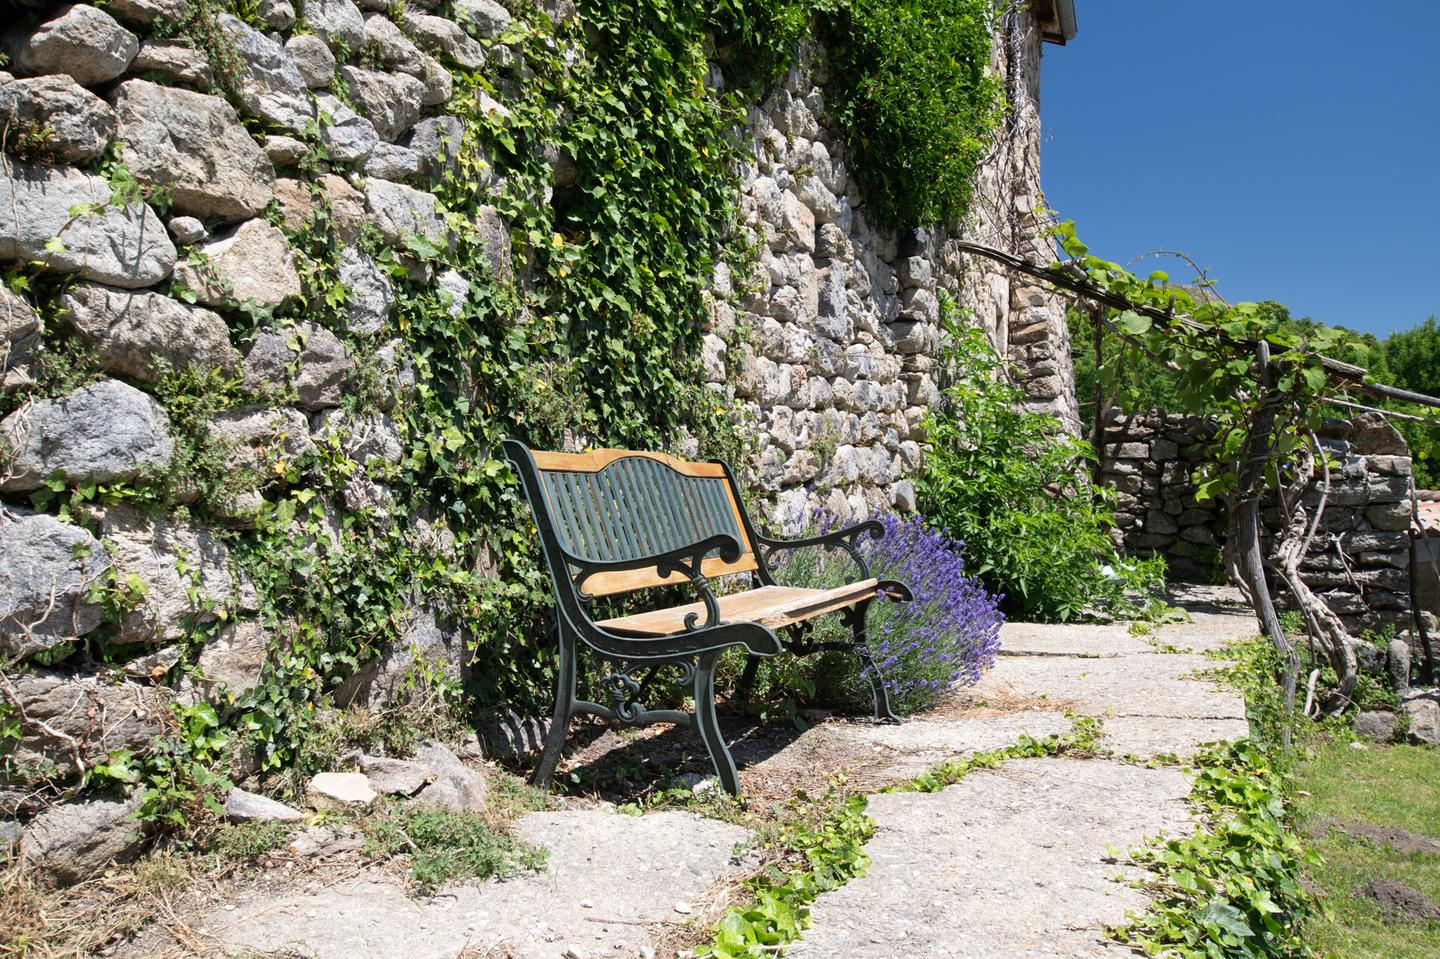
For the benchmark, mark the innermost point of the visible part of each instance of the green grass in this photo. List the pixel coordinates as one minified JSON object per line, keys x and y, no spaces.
{"x":1396,"y":786}
{"x":247,"y":841}
{"x":445,"y":846}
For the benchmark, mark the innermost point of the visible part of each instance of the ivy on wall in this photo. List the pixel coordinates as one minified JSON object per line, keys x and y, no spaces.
{"x":598,"y":340}
{"x":910,"y":86}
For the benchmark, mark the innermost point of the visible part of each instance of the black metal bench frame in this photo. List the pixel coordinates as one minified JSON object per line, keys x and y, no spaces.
{"x":600,"y":518}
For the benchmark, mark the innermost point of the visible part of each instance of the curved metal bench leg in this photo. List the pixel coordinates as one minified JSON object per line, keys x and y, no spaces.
{"x":709,"y":725}
{"x":856,"y":616}
{"x":564,"y":708}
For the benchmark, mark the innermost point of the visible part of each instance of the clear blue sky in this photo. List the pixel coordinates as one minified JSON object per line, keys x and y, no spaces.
{"x":1292,"y":148}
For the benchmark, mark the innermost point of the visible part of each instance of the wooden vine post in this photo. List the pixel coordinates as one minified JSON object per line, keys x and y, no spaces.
{"x":1097,"y":317}
{"x":1259,"y":450}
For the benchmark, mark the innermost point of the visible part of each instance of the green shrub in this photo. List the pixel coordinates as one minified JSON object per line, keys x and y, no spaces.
{"x":1008,"y":483}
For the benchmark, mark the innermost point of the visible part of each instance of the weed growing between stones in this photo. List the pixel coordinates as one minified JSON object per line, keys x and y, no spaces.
{"x":1082,"y":739}
{"x":445,"y":846}
{"x":815,"y":845}
{"x":1233,"y":888}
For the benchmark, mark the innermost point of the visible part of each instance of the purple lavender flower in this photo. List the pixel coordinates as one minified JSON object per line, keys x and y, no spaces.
{"x":947,"y":636}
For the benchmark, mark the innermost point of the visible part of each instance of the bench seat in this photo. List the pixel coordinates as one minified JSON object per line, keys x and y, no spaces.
{"x":771,"y":606}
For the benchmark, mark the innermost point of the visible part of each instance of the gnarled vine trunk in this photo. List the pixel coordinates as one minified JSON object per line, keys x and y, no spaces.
{"x":1328,"y":632}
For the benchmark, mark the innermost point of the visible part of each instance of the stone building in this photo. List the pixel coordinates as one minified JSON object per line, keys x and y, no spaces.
{"x":835,"y":358}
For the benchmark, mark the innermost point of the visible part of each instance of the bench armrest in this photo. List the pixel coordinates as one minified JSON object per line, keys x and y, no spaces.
{"x":687,"y":561}
{"x":843,"y":539}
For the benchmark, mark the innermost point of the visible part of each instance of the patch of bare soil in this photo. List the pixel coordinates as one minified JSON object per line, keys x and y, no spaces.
{"x":776,"y":759}
{"x":1400,"y":900}
{"x":1400,"y":840}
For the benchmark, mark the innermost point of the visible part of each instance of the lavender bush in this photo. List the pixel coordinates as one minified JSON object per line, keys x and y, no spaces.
{"x":946,"y":637}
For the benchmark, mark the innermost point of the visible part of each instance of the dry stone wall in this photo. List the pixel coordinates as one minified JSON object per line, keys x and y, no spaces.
{"x":100,"y":109}
{"x":1360,"y":559}
{"x":158,"y":199}
{"x":832,"y":348}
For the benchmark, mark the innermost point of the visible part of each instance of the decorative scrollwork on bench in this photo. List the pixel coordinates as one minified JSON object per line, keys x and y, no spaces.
{"x":625,"y":692}
{"x":842,"y":539}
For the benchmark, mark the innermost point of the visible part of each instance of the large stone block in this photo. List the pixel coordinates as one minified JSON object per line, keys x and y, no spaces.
{"x":252,"y":262}
{"x":19,"y":332}
{"x":313,"y":59}
{"x":388,"y":46}
{"x":347,"y":135}
{"x":194,"y":145}
{"x":47,"y":569}
{"x":338,"y":22}
{"x":307,"y":357}
{"x":61,"y":217}
{"x":64,"y":719}
{"x":486,"y":17}
{"x":271,"y":85}
{"x":99,"y":433}
{"x":175,"y":62}
{"x":260,"y":439}
{"x":233,"y":661}
{"x":80,"y":124}
{"x":437,"y":33}
{"x":391,"y":101}
{"x":1390,"y":517}
{"x":83,"y":42}
{"x":140,"y":335}
{"x":143,"y":13}
{"x":368,"y":296}
{"x":189,"y":578}
{"x":400,"y":212}
{"x":77,"y":840}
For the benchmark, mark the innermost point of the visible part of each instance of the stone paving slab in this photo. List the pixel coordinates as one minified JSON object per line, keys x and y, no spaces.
{"x":1152,"y":684}
{"x":1151,"y":736}
{"x":916,"y":745}
{"x":1075,"y":639}
{"x":1007,"y":863}
{"x":603,"y":867}
{"x":960,"y":736}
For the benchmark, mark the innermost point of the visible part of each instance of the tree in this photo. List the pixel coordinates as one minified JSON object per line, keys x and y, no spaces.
{"x":1413,"y":356}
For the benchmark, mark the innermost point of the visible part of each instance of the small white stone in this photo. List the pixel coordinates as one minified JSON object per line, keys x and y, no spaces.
{"x":683,"y":908}
{"x":340,"y":791}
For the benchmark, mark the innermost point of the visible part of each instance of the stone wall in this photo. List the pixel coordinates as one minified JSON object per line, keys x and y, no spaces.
{"x":833,"y":350}
{"x":1360,"y":559}
{"x":138,"y":295}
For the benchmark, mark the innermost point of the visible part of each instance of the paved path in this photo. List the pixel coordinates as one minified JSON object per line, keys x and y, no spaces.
{"x":1007,"y":863}
{"x":1012,"y":862}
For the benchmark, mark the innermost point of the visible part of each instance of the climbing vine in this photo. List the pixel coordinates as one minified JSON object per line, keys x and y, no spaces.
{"x":598,"y":159}
{"x":910,"y":85}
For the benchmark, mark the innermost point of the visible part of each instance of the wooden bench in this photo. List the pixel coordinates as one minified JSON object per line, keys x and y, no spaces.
{"x":616,"y":521}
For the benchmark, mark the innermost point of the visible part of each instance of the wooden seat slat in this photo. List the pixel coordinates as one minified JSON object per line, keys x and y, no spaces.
{"x":771,"y":606}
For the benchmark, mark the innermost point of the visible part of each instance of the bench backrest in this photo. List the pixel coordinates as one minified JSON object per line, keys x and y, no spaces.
{"x":614,"y":505}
